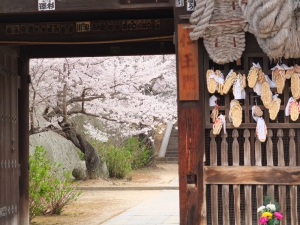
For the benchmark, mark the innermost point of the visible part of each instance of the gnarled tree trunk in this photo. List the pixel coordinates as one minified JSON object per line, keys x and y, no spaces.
{"x":92,"y":159}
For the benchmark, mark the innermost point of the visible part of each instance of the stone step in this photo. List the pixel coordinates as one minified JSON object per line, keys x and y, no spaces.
{"x":169,"y":159}
{"x":172,"y":162}
{"x":160,"y":160}
{"x":172,"y":151}
{"x":172,"y":146}
{"x":171,"y":155}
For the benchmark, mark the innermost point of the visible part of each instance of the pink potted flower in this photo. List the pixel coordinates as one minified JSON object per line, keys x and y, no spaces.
{"x":278,"y":215}
{"x":263,"y":220}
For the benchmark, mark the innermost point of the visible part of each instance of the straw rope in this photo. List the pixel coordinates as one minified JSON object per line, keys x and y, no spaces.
{"x":222,"y":20}
{"x":275,"y":25}
{"x":225,"y":51}
{"x":203,"y":16}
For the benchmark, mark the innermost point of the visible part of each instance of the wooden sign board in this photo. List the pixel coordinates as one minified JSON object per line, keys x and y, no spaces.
{"x":187,"y":65}
{"x":85,"y":27}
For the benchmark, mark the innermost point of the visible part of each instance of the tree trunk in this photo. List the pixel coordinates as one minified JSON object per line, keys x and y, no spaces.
{"x":92,"y":159}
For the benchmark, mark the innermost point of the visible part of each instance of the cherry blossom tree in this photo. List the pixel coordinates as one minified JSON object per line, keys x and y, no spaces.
{"x":132,"y":94}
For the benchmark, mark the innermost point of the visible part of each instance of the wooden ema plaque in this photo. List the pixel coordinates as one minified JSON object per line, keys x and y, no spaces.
{"x":187,"y":65}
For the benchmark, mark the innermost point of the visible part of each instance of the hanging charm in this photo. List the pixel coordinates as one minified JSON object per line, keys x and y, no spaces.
{"x":235,"y":113}
{"x":274,"y":107}
{"x":213,"y":79}
{"x":229,"y":81}
{"x":289,"y":71}
{"x":292,"y":109}
{"x":295,"y":85}
{"x":218,"y":124}
{"x":278,"y":75}
{"x":253,"y":75}
{"x":215,"y":112}
{"x":239,"y":87}
{"x":266,"y":95}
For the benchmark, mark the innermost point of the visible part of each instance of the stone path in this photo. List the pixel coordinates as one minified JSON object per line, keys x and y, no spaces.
{"x":163,"y":209}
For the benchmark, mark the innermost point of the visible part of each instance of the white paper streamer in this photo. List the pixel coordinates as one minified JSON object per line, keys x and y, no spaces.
{"x":287,"y":108}
{"x":274,"y":97}
{"x":223,"y":122}
{"x":253,"y":115}
{"x":257,"y":88}
{"x":220,"y":80}
{"x":212,"y":100}
{"x":256,"y":65}
{"x":239,"y":93}
{"x":261,"y":129}
{"x":271,"y":83}
{"x":286,"y":67}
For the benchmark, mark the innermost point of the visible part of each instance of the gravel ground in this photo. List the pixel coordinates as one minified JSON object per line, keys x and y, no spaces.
{"x":95,"y":207}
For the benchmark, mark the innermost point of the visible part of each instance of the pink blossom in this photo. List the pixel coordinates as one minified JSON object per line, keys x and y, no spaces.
{"x":263,"y":220}
{"x":278,"y":215}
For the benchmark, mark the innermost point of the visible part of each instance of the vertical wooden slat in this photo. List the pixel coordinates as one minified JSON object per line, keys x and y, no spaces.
{"x":293,"y":189}
{"x":259,"y":188}
{"x":236,"y":188}
{"x":6,"y":139}
{"x":225,"y":188}
{"x":213,"y":187}
{"x":23,"y":118}
{"x":8,"y":133}
{"x":2,"y":175}
{"x":270,"y":188}
{"x":281,"y":188}
{"x":248,"y":189}
{"x":14,"y":137}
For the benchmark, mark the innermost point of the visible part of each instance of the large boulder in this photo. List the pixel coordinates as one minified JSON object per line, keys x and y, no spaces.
{"x":80,"y":171}
{"x":58,"y":149}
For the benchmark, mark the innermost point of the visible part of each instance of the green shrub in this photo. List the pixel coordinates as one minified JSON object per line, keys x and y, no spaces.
{"x":141,"y":154}
{"x":121,"y":160}
{"x":118,"y":161}
{"x":48,"y":194}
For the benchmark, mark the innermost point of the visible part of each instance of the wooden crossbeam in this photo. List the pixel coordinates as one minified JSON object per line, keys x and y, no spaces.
{"x":252,"y":175}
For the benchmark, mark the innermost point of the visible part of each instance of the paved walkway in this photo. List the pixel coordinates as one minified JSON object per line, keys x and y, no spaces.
{"x":163,"y":209}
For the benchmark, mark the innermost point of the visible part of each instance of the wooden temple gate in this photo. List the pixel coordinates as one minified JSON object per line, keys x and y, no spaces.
{"x":9,"y":158}
{"x":222,"y":178}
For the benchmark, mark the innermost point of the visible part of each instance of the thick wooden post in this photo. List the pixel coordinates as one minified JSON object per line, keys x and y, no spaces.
{"x":24,"y":139}
{"x":191,"y":132}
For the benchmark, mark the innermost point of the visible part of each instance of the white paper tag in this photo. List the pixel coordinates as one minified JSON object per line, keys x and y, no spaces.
{"x":190,"y":5}
{"x":179,"y":3}
{"x":45,"y":5}
{"x":239,"y":93}
{"x":261,"y":129}
{"x":212,"y":100}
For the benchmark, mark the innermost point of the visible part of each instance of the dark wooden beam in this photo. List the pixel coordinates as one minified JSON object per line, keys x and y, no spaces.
{"x":87,"y":31}
{"x":23,"y":108}
{"x":252,"y":175}
{"x":31,"y":6}
{"x":117,"y":49}
{"x":140,"y":1}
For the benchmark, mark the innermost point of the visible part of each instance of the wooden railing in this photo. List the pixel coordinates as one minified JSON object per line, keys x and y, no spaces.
{"x":231,"y":167}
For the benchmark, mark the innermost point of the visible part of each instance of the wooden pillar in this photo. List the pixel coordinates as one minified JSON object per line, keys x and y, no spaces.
{"x":24,"y":138}
{"x":191,"y":130}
